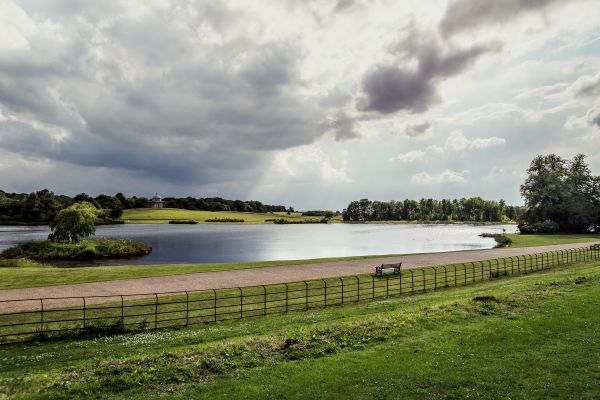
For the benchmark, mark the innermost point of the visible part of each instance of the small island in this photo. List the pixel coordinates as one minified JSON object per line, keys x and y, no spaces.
{"x":66,"y":240}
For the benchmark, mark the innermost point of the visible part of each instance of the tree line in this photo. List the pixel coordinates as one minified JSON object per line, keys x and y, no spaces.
{"x":42,"y":206}
{"x":220,"y":204}
{"x":474,"y":209}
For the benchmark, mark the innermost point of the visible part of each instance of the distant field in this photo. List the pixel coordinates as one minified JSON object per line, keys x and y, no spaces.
{"x":164,"y":215}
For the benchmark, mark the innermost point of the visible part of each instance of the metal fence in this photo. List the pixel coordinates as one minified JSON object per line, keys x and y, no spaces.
{"x":29,"y":319}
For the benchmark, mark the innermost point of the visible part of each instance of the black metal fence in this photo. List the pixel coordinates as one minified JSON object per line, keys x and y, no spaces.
{"x":24,"y":320}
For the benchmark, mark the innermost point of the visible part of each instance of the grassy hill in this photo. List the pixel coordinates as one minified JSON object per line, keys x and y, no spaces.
{"x":531,"y":336}
{"x":164,"y":215}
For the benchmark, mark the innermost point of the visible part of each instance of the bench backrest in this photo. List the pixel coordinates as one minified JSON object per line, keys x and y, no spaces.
{"x":391,"y":265}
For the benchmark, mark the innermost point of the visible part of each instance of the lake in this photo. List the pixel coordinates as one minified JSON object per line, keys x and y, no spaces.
{"x":238,"y":243}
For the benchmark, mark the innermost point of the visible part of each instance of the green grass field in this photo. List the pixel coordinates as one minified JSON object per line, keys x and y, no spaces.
{"x":164,"y":215}
{"x":535,"y":337}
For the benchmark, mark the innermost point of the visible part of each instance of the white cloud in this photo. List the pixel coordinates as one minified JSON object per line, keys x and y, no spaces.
{"x":411,"y":156}
{"x":480,"y":143}
{"x":310,"y":163}
{"x":446,"y":176}
{"x":458,"y":142}
{"x":434,"y":149}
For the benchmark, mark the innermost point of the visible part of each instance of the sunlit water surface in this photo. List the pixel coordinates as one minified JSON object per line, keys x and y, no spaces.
{"x":238,"y":243}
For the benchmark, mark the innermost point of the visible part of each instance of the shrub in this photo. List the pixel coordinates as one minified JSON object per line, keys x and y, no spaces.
{"x":224,"y":220}
{"x":546,"y":226}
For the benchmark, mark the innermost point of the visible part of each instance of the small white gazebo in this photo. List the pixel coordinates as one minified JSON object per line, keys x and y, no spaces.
{"x":157,"y":202}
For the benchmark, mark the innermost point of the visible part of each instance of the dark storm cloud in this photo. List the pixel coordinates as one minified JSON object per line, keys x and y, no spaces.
{"x":146,"y":95}
{"x":391,"y":88}
{"x":463,"y":15}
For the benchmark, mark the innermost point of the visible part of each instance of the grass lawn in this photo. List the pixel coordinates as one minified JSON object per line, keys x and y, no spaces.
{"x":22,"y":276}
{"x":519,"y":240}
{"x":536,"y":338}
{"x":164,"y":215}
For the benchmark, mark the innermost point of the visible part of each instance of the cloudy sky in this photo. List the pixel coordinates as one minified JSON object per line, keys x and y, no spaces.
{"x":304,"y":103}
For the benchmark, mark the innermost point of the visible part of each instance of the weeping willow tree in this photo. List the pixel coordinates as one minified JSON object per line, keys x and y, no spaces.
{"x":74,"y":223}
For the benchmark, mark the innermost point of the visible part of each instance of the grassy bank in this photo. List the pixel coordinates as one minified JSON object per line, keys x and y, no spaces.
{"x":23,"y":276}
{"x":519,"y":240}
{"x":90,"y":249}
{"x":533,"y":336}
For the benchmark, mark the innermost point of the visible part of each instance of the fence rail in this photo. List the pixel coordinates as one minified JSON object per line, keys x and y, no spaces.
{"x":31,"y":318}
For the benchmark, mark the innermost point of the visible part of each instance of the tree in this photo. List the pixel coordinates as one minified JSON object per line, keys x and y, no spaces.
{"x":560,"y":191}
{"x":74,"y":222}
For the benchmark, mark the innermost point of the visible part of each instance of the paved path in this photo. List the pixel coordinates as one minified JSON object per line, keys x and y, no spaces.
{"x":248,"y":277}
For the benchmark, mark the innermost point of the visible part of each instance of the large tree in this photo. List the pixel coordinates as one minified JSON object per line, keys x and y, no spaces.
{"x":560,"y":195}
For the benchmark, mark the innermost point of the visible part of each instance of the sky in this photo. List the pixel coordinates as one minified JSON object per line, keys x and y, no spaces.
{"x":305,"y":103}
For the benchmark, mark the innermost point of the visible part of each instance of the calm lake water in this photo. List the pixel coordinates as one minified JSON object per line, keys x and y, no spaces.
{"x":236,"y":243}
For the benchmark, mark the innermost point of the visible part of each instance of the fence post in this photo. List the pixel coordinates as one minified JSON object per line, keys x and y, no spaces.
{"x":373,"y":285}
{"x":357,"y":289}
{"x":400,"y":279}
{"x":242,"y":303}
{"x":306,"y":294}
{"x":84,"y":309}
{"x":387,"y":285}
{"x":423,"y":274}
{"x":156,"y":311}
{"x":286,"y":297}
{"x":481,"y":270}
{"x":412,"y":280}
{"x":122,"y":311}
{"x":455,"y":278}
{"x":42,"y":316}
{"x":325,"y":282}
{"x":342,"y":279}
{"x":265,"y":300}
{"x":187,"y":308}
{"x":215,"y":304}
{"x":434,"y":278}
{"x":445,"y":275}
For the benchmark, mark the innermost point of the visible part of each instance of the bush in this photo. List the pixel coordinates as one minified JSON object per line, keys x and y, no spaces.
{"x":547,"y":226}
{"x":224,"y":220}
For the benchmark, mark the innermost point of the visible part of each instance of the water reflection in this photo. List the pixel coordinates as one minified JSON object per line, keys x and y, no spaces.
{"x":236,"y":243}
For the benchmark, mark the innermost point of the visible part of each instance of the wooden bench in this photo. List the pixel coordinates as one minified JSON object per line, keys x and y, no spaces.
{"x":595,"y":246}
{"x":396,"y":267}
